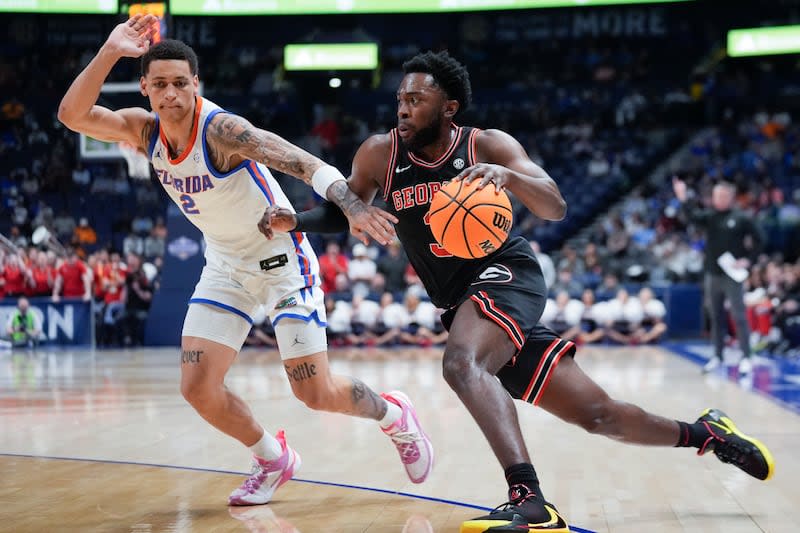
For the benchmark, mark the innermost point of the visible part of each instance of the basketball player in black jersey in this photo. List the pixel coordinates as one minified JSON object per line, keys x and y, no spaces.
{"x":493,"y":304}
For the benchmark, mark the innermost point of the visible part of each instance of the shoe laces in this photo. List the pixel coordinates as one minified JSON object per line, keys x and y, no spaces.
{"x":510,"y":504}
{"x":256,"y":479}
{"x":406,"y":443}
{"x":732,"y":451}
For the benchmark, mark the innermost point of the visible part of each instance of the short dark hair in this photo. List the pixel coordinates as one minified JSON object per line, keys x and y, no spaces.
{"x":450,"y":75}
{"x":169,"y":49}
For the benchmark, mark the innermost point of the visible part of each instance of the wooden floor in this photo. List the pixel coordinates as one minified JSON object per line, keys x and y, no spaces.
{"x":104,"y":442}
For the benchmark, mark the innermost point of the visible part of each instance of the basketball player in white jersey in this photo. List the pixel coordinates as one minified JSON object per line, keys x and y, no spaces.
{"x":213,"y":165}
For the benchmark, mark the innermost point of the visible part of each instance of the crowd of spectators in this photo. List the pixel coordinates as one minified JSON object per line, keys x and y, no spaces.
{"x":597,"y":113}
{"x":119,"y":288}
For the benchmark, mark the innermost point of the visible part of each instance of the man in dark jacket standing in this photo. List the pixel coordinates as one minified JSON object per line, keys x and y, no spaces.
{"x":732,"y":235}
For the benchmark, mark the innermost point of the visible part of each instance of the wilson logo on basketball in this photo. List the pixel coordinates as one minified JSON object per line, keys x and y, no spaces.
{"x":487,"y":246}
{"x":500,"y":221}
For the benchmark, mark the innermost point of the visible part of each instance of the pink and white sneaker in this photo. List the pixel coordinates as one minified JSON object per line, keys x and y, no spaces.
{"x":414,"y":446}
{"x":267,"y":476}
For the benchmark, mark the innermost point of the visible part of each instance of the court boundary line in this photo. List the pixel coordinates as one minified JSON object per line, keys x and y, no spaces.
{"x":232,"y":472}
{"x":683,"y":351}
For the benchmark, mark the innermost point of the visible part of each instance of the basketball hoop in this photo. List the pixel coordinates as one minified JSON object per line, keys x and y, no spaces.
{"x":138,"y":164}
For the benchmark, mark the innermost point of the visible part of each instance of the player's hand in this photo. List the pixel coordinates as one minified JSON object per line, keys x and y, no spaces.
{"x":276,"y":218}
{"x":132,"y":38}
{"x":487,"y":173}
{"x":679,"y":188}
{"x":370,"y":221}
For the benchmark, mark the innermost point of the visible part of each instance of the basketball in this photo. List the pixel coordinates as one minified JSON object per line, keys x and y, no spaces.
{"x":469,"y":222}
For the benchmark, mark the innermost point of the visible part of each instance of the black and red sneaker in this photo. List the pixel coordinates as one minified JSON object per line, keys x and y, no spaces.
{"x":524,"y":512}
{"x":734,"y":447}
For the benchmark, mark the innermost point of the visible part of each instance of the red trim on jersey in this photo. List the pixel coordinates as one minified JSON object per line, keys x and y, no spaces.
{"x":195,"y":126}
{"x":472,"y":154}
{"x":535,"y":376}
{"x":549,"y":376}
{"x":513,"y":323}
{"x":387,"y":183}
{"x":443,"y":158}
{"x":498,"y":318}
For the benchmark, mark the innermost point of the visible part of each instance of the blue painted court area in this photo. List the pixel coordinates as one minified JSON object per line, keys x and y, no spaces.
{"x":777,"y":378}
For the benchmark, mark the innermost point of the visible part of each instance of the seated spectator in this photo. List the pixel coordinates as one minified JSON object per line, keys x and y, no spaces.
{"x":154,"y":245}
{"x":563,"y":315}
{"x":609,"y":288}
{"x":392,"y":318}
{"x":623,"y":316}
{"x":591,"y":319}
{"x":361,"y":270}
{"x":393,"y":267}
{"x":84,"y":237}
{"x":422,"y":326}
{"x":566,"y":283}
{"x":64,"y":226}
{"x":339,"y":319}
{"x":363,"y":317}
{"x":652,"y":326}
{"x":331,"y":264}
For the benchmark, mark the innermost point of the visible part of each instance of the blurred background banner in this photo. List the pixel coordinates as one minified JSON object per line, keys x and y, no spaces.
{"x":67,"y":322}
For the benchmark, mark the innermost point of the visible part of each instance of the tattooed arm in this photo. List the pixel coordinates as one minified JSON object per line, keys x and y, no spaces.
{"x":232,"y":139}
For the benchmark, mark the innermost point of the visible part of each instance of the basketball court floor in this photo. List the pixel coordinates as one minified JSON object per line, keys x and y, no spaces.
{"x":103,"y":441}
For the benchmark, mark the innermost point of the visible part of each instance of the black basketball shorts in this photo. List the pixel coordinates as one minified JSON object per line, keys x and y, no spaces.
{"x":511,"y":293}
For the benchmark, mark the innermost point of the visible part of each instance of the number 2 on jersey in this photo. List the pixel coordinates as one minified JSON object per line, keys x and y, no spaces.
{"x":187,"y":204}
{"x":436,"y":250}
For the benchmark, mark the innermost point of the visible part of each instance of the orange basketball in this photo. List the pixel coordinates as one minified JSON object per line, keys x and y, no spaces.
{"x":468,"y":222}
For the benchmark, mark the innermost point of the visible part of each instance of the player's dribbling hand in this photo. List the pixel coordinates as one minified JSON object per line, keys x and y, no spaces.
{"x":274,"y":219}
{"x":486,"y":173}
{"x":370,"y":221}
{"x":132,"y":37}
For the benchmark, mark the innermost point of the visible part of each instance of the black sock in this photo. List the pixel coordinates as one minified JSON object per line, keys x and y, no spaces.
{"x":692,"y":435}
{"x":523,"y":474}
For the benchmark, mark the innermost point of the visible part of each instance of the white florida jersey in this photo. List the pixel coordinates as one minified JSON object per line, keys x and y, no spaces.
{"x":226,"y":207}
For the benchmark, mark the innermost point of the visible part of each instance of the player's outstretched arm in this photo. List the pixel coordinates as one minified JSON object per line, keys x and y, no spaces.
{"x":507,"y":166}
{"x":78,"y":110}
{"x":230,"y":135}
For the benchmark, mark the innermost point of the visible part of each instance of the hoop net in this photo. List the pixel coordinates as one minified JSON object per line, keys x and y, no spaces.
{"x":138,"y":165}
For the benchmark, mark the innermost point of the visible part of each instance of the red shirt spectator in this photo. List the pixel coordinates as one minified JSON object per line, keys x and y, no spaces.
{"x":43,"y":279}
{"x":331,"y":264}
{"x":114,"y":282}
{"x":70,"y":282}
{"x":14,"y":274}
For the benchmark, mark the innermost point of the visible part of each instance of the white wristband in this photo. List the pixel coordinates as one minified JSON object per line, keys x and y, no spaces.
{"x":323,"y":178}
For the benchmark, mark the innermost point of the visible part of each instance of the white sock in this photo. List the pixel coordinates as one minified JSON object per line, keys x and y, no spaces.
{"x":393,"y":414}
{"x":267,"y":447}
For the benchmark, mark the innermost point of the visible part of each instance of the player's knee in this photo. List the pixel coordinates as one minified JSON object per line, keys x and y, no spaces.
{"x":198,"y":393}
{"x":459,"y":369}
